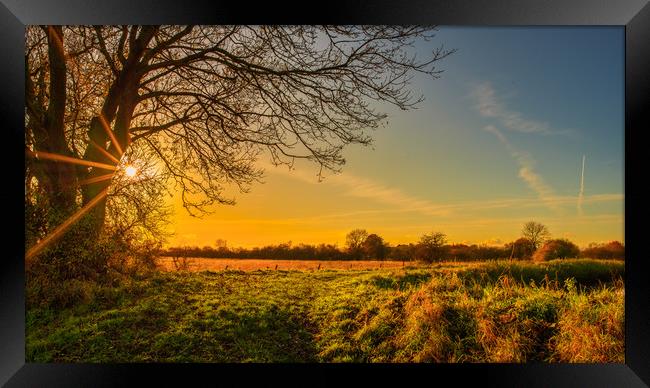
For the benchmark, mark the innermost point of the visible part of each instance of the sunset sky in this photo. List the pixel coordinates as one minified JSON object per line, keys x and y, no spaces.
{"x":498,"y":141}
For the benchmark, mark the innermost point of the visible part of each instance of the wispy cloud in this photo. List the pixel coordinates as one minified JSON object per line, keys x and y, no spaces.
{"x":490,"y":105}
{"x":526,"y":170}
{"x":400,"y":202}
{"x":467,"y":221}
{"x":368,"y":189}
{"x":359,"y":187}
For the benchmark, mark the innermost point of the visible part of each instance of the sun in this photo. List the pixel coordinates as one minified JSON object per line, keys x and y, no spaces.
{"x":130,"y":171}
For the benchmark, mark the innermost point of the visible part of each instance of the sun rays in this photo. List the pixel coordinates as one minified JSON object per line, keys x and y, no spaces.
{"x":95,"y":179}
{"x":39,"y":155}
{"x":128,"y":170}
{"x":104,"y":152}
{"x":65,"y":225}
{"x":110,"y":134}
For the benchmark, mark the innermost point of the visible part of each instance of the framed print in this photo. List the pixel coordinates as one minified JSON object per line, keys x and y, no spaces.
{"x":215,"y":192}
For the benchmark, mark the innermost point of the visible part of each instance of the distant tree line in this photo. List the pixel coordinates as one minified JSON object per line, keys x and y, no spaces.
{"x":285,"y":251}
{"x":611,"y":250}
{"x":535,"y":244}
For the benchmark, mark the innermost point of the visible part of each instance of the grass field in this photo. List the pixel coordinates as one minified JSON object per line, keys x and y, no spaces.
{"x":197,"y":264}
{"x":560,"y":311}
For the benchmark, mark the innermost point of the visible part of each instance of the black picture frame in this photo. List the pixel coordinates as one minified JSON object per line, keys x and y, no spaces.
{"x":633,"y":15}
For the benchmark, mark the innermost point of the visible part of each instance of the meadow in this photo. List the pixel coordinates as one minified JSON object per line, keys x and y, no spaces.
{"x":557,"y":311}
{"x":197,"y":264}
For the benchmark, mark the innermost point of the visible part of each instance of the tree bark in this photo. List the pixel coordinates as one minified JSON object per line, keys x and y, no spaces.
{"x":59,"y":179}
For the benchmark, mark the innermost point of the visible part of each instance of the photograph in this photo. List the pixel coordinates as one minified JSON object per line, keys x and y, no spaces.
{"x":324,"y":194}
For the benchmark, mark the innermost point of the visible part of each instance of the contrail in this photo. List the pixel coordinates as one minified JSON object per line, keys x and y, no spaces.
{"x":582,"y":187}
{"x":526,"y":170}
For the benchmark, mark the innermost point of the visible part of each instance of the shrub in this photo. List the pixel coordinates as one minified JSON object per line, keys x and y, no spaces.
{"x":556,"y":249}
{"x":520,"y":249}
{"x":60,"y":275}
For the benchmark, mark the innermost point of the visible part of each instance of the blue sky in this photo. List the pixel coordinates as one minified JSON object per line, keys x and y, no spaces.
{"x":498,"y":140}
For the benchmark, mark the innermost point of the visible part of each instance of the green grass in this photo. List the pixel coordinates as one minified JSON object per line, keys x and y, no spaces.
{"x":567,"y":311}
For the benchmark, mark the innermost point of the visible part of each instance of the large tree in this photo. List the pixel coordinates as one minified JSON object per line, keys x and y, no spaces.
{"x":199,"y":105}
{"x":431,"y":246}
{"x":373,"y":247}
{"x":536,"y":233}
{"x":354,"y":242}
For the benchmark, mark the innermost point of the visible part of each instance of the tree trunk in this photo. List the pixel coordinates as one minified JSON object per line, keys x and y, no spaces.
{"x":119,"y":105}
{"x":99,"y":134}
{"x":98,"y":137}
{"x":59,"y":179}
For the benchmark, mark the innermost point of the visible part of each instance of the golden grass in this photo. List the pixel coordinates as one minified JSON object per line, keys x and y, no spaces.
{"x":438,"y":313}
{"x":592,"y":329}
{"x":205,"y":264}
{"x":424,"y":335}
